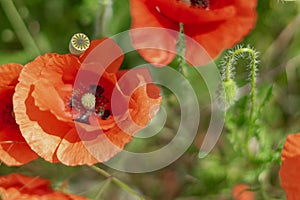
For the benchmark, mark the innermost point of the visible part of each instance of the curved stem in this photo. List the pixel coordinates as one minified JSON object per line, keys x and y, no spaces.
{"x":253,"y":72}
{"x":117,"y":181}
{"x":228,"y":75}
{"x":103,"y":188}
{"x":20,"y":28}
{"x":99,"y":22}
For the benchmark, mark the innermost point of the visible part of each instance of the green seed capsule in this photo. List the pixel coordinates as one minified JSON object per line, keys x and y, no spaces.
{"x":79,"y":44}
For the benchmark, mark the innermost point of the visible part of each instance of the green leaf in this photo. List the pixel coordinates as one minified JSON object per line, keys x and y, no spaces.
{"x":267,"y":97}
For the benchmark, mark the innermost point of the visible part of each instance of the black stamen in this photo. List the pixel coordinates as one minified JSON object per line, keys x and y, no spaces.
{"x":101,"y":101}
{"x":106,"y":114}
{"x":97,"y":90}
{"x":70,"y":104}
{"x":74,"y":102}
{"x":200,"y":3}
{"x":100,"y":104}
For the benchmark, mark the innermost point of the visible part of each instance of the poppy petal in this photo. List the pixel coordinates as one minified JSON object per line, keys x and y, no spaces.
{"x":106,"y":52}
{"x":289,"y":170}
{"x":97,"y":145}
{"x":9,"y":74}
{"x":289,"y":176}
{"x":53,"y":84}
{"x":240,"y":192}
{"x":291,"y":147}
{"x":50,"y":100}
{"x":183,"y":12}
{"x":157,"y":46}
{"x":13,"y":148}
{"x":72,"y":150}
{"x":220,"y":26}
{"x":217,"y":36}
{"x":41,"y":129}
{"x":20,"y":187}
{"x":106,"y":145}
{"x":11,"y":145}
{"x":19,"y":179}
{"x":144,"y":96}
{"x":43,"y":117}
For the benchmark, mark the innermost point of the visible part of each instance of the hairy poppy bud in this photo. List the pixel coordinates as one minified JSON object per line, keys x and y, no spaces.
{"x":227,"y":95}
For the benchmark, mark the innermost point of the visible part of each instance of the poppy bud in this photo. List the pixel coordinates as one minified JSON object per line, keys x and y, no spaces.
{"x":227,"y":94}
{"x":230,"y":92}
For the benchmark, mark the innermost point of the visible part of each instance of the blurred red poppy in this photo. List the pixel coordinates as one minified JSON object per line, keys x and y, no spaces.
{"x":240,"y":192}
{"x":13,"y":148}
{"x":65,"y":105}
{"x":215,"y":25}
{"x":289,"y":170}
{"x":20,"y":187}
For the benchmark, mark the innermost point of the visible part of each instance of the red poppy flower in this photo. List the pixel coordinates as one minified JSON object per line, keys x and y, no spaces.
{"x":240,"y":192}
{"x":66,"y":108}
{"x":289,"y":170}
{"x":19,"y":187}
{"x":13,"y":148}
{"x":215,"y":25}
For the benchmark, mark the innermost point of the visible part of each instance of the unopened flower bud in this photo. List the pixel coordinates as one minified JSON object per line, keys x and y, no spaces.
{"x":227,"y":94}
{"x":230,"y":88}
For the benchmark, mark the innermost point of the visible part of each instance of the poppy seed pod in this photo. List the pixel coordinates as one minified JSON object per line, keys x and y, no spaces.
{"x":79,"y":43}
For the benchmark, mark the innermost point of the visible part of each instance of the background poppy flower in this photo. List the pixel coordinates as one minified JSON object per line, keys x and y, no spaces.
{"x":65,"y":116}
{"x":13,"y":147}
{"x":17,"y":187}
{"x":240,"y":192}
{"x":289,"y":170}
{"x":215,"y":25}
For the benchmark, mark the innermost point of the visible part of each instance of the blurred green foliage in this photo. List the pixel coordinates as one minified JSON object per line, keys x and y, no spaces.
{"x":52,"y":23}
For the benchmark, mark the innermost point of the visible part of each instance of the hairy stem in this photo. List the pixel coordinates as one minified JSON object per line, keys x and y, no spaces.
{"x":253,"y":73}
{"x":229,"y":75}
{"x":181,"y":49}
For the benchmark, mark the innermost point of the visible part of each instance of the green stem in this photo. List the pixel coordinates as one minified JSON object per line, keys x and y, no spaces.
{"x":181,"y":49}
{"x":228,"y":70}
{"x":20,"y":28}
{"x":253,"y":70}
{"x":99,"y":26}
{"x":117,"y":181}
{"x":228,"y":66}
{"x":103,"y":188}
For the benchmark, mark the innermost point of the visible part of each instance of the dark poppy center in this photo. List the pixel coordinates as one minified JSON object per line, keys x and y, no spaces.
{"x":198,"y":3}
{"x":89,"y":102}
{"x":8,"y":116}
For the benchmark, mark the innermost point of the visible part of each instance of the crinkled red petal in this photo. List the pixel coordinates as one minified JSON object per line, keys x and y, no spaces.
{"x":13,"y":148}
{"x":289,"y":170}
{"x":157,"y":46}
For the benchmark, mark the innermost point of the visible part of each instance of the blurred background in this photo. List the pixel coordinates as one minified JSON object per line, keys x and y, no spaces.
{"x":35,"y":27}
